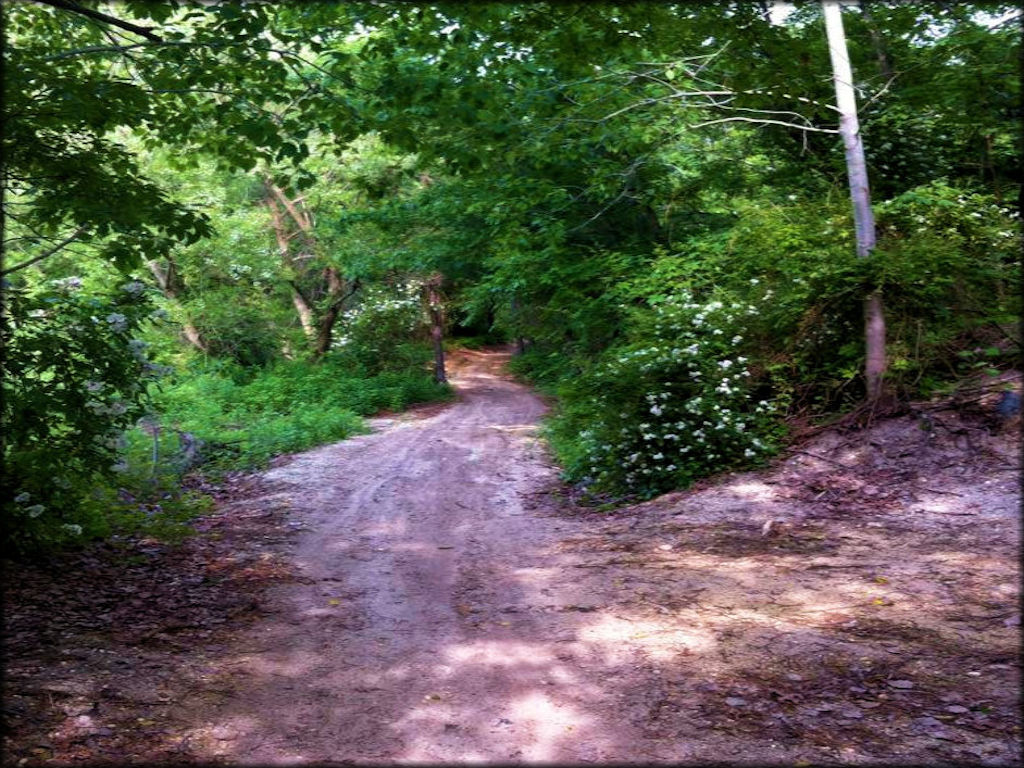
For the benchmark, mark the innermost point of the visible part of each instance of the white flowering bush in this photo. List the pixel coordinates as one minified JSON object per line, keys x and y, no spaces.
{"x":377,"y":332}
{"x":656,"y":415}
{"x":74,"y":378}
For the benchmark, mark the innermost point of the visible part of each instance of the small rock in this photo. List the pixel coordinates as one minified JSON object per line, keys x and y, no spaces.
{"x":902,"y":684}
{"x":957,"y":709}
{"x":665,"y":547}
{"x":735,"y":701}
{"x":794,"y":677}
{"x":927,"y":722}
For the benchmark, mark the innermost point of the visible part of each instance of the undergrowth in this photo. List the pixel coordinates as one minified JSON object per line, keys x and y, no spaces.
{"x":287,"y":407}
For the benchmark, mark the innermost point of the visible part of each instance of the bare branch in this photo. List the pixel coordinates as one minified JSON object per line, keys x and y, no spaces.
{"x":90,"y":13}
{"x":36,"y":259}
{"x":764,"y":121}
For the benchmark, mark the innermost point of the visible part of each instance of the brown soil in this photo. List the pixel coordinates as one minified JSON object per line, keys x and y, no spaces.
{"x":434,"y":597}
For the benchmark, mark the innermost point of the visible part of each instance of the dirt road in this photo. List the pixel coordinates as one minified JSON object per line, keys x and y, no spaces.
{"x":855,"y":603}
{"x":435,"y":621}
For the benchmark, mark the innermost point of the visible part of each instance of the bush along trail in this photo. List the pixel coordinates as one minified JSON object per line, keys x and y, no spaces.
{"x":427,"y":593}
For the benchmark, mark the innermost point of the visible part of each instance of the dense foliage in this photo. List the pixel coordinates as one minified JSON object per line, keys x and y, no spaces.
{"x":648,"y":199}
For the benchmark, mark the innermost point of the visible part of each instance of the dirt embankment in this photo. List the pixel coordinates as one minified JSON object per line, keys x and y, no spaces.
{"x":858,"y":602}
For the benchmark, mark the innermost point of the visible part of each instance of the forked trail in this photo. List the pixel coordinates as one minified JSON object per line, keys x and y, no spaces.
{"x":435,"y":620}
{"x":832,"y":607}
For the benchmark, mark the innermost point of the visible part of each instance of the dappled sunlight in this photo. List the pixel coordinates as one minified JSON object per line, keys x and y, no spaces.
{"x":618,"y":639}
{"x":754,"y":490}
{"x":534,"y":724}
{"x":502,"y":653}
{"x":547,"y":723}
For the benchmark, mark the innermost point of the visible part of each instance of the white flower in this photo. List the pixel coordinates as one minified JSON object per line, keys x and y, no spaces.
{"x":658,"y":456}
{"x":35,"y":510}
{"x":748,"y":453}
{"x":656,"y":410}
{"x":68,"y":284}
{"x":117,"y":321}
{"x":737,"y":339}
{"x":72,"y":529}
{"x":22,"y":497}
{"x":134,"y":287}
{"x":724,"y":364}
{"x":754,"y":281}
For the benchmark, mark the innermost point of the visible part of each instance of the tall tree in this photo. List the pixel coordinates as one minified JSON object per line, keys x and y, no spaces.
{"x":857,"y":174}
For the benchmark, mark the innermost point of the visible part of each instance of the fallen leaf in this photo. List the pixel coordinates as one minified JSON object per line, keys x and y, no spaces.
{"x":334,"y":601}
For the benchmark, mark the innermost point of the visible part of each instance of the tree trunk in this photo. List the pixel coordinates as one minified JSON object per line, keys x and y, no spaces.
{"x":325,"y":328}
{"x":170,"y":285}
{"x":436,"y":326}
{"x":881,"y":50}
{"x":857,"y":173}
{"x":303,"y":307}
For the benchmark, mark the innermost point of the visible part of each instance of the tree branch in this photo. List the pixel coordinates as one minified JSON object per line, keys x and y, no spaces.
{"x":764,"y":121}
{"x":36,"y":259}
{"x":67,"y":5}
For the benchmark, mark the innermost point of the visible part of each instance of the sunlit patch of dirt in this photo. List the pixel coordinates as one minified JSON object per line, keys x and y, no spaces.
{"x":860,"y":596}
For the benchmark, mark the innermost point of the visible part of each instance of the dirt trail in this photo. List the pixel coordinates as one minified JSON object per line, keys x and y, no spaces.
{"x":855,"y":603}
{"x":434,"y":620}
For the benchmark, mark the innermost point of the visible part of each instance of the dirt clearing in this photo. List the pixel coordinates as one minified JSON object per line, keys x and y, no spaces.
{"x":435,"y":599}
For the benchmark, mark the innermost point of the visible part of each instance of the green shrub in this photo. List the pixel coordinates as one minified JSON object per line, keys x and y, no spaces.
{"x":288,"y":406}
{"x":674,"y":405}
{"x":74,"y":378}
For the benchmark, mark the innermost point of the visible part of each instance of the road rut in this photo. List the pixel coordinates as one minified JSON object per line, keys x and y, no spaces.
{"x":433,"y":618}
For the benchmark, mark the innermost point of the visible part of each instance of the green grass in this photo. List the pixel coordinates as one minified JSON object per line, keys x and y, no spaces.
{"x":290,"y":406}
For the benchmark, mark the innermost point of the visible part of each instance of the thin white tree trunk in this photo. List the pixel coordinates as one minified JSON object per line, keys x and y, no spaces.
{"x":857,"y":172}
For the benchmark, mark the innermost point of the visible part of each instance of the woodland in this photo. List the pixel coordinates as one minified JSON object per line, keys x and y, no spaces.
{"x":682,"y":238}
{"x":230,"y":230}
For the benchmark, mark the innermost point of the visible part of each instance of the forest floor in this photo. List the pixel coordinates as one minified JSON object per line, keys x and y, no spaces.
{"x":430,"y":593}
